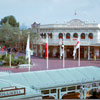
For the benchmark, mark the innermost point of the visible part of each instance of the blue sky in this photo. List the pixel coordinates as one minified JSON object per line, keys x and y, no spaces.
{"x":50,"y":11}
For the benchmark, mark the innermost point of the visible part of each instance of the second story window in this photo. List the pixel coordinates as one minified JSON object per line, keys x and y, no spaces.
{"x":90,"y":36}
{"x":75,"y":35}
{"x":68,"y":36}
{"x":41,"y":35}
{"x":83,"y":36}
{"x":44,"y":35}
{"x":60,"y":36}
{"x":50,"y":35}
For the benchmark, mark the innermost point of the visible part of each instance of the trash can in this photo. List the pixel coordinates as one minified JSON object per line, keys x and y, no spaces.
{"x":95,"y":57}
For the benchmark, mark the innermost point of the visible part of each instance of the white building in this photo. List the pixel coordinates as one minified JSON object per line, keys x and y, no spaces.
{"x":89,"y":34}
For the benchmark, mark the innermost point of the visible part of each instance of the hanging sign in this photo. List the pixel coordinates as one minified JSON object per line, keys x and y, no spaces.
{"x":11,"y":91}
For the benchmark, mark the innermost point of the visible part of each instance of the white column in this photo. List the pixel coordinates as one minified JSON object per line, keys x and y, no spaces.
{"x":36,"y":50}
{"x":63,"y":58}
{"x":88,"y":52}
{"x":85,"y":52}
{"x":85,"y":93}
{"x":6,"y":53}
{"x":79,"y":52}
{"x":60,"y":97}
{"x":10,"y":59}
{"x":75,"y":54}
{"x":40,"y":50}
{"x":79,"y":57}
{"x":66,"y":52}
{"x":81,"y":94}
{"x":71,"y":36}
{"x":56,"y":94}
{"x":60,"y":51}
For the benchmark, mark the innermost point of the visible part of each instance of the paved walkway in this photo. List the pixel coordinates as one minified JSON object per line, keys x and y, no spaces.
{"x":40,"y":64}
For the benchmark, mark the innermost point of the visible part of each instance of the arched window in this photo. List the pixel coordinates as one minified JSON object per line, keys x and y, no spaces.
{"x":41,"y":35}
{"x":44,"y":35}
{"x":83,"y":36}
{"x":60,"y":35}
{"x":90,"y":36}
{"x":75,"y":35}
{"x":68,"y":36}
{"x":50,"y":35}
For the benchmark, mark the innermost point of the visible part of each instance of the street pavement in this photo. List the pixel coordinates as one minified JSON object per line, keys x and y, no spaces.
{"x":53,"y":63}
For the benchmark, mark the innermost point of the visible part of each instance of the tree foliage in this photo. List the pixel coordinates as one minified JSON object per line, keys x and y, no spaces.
{"x":8,"y":34}
{"x":12,"y":36}
{"x":11,"y":20}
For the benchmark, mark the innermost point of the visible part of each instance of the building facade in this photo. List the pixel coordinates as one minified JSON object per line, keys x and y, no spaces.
{"x":89,"y":34}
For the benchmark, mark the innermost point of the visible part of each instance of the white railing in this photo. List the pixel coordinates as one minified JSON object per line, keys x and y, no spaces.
{"x":98,"y":41}
{"x":69,"y":42}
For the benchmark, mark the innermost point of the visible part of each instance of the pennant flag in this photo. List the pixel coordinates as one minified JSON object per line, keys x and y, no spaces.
{"x":76,"y":46}
{"x":28,"y":48}
{"x":62,"y":52}
{"x":46,"y":50}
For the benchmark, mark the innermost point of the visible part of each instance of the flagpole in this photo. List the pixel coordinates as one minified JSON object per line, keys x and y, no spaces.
{"x":63,"y":53}
{"x":29,"y":53}
{"x":79,"y":54}
{"x":47,"y":51}
{"x":29,"y":64}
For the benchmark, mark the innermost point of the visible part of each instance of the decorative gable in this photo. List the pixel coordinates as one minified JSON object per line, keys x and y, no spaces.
{"x":76,"y":22}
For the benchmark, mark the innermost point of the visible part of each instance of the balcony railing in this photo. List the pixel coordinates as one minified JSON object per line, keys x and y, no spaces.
{"x":69,"y":42}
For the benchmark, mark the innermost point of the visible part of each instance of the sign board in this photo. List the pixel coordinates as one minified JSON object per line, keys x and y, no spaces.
{"x":9,"y":92}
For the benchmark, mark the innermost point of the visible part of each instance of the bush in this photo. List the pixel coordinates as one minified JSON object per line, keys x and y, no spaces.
{"x":22,"y":60}
{"x":19,"y":60}
{"x":14,"y":62}
{"x":2,"y":57}
{"x":22,"y":57}
{"x":6,"y":59}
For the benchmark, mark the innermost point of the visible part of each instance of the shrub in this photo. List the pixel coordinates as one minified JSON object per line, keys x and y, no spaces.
{"x":14,"y":61}
{"x":2,"y":57}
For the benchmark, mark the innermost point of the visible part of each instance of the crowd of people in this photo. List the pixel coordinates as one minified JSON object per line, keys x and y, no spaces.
{"x":8,"y":49}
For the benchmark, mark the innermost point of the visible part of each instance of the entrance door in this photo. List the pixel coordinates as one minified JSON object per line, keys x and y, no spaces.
{"x":81,"y":52}
{"x":69,"y":52}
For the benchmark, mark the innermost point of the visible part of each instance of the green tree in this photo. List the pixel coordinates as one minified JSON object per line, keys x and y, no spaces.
{"x":8,"y":34}
{"x":11,"y":20}
{"x":34,"y":37}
